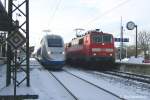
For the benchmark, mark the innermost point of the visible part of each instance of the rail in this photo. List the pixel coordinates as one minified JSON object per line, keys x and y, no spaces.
{"x":94,"y":85}
{"x":136,"y":77}
{"x":64,"y":86}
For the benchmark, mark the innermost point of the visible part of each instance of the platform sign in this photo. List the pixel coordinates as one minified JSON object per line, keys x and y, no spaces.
{"x":121,"y":40}
{"x":16,"y":39}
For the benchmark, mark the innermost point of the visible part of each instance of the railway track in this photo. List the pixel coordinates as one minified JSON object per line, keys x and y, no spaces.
{"x":75,"y":98}
{"x":95,"y":85}
{"x":80,"y":80}
{"x":136,"y":77}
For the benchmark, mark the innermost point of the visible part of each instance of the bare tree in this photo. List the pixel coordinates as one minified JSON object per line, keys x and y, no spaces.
{"x":144,"y":41}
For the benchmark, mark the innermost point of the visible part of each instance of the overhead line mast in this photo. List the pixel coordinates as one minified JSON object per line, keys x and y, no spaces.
{"x":121,"y":42}
{"x":23,"y":28}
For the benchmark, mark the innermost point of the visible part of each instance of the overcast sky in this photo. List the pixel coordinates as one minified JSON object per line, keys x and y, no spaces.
{"x":63,"y":16}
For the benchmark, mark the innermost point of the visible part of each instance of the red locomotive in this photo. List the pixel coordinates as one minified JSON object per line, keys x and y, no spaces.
{"x":93,"y":47}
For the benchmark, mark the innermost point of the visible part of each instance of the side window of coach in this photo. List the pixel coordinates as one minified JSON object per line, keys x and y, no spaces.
{"x":80,"y":41}
{"x":69,"y":45}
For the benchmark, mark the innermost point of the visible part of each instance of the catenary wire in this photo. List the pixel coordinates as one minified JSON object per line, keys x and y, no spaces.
{"x":54,"y":13}
{"x":106,"y":12}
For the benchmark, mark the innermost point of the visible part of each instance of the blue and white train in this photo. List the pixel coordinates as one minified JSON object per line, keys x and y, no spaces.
{"x":51,"y":52}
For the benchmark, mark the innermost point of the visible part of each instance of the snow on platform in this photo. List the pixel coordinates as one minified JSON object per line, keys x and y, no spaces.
{"x":133,"y":60}
{"x":41,"y":83}
{"x":22,"y":92}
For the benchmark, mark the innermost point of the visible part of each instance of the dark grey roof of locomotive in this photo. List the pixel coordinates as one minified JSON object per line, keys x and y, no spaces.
{"x":53,"y":36}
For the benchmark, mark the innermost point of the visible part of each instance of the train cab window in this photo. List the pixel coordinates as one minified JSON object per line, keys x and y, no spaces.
{"x":55,"y":42}
{"x":97,"y":39}
{"x":107,"y":38}
{"x":102,"y":39}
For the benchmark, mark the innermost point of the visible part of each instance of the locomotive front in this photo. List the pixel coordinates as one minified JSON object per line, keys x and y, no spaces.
{"x":101,"y":48}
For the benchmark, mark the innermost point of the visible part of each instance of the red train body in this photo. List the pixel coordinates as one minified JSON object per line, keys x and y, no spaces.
{"x":93,"y":47}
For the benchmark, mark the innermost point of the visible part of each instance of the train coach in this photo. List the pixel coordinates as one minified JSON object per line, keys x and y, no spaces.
{"x":94,"y":47}
{"x":51,"y":52}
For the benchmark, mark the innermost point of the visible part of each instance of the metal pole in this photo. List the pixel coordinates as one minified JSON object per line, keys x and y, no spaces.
{"x":4,"y":46}
{"x":136,"y":43}
{"x":121,"y":40}
{"x":8,"y":76}
{"x":1,"y":50}
{"x":15,"y":68}
{"x":27,"y":42}
{"x":126,"y":52}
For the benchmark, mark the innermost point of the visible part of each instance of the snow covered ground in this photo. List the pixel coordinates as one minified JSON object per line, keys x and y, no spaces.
{"x":43,"y":84}
{"x":123,"y":87}
{"x":83,"y":90}
{"x":138,"y":60}
{"x":47,"y":87}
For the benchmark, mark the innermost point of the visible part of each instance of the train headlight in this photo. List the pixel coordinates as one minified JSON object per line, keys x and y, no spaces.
{"x":94,"y":54}
{"x":49,"y":52}
{"x":110,"y":54}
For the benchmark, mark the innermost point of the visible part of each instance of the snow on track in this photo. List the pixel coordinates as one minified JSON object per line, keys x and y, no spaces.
{"x":47,"y":87}
{"x":81,"y":89}
{"x":121,"y":88}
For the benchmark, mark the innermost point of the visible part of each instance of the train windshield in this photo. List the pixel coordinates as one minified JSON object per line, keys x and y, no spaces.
{"x":102,"y":38}
{"x":55,"y":42}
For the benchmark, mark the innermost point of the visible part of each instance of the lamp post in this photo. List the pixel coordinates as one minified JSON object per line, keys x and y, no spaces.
{"x":136,"y":40}
{"x":130,"y":26}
